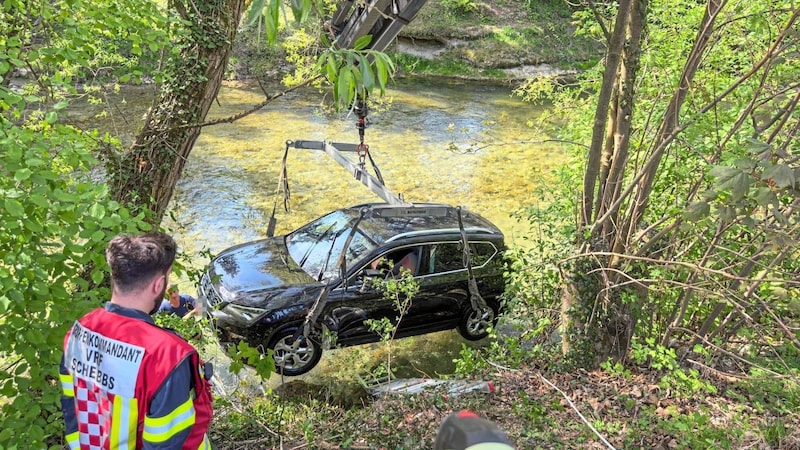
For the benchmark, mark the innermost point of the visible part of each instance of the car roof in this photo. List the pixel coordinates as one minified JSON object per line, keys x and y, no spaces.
{"x":385,"y":222}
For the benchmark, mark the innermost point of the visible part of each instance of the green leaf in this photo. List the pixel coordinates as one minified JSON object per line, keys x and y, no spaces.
{"x":33,"y":336}
{"x":23,"y":365}
{"x":757,"y":148}
{"x":33,"y":226}
{"x":97,"y":211}
{"x":781,"y":174}
{"x":300,"y":10}
{"x":696,"y":211}
{"x":51,"y":117}
{"x":383,"y":73}
{"x":65,"y":197}
{"x":765,"y":197}
{"x":331,"y":67}
{"x":256,"y":11}
{"x":727,"y":213}
{"x":362,"y":42}
{"x":97,"y":276}
{"x":731,"y":179}
{"x":272,"y":21}
{"x":343,"y":82}
{"x":14,"y":208}
{"x":366,"y":73}
{"x":60,"y":105}
{"x":22,"y":174}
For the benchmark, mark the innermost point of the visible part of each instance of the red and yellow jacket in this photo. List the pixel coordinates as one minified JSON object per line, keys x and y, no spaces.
{"x":129,"y":384}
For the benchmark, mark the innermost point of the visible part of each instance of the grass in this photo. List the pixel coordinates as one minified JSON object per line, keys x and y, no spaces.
{"x":498,"y":35}
{"x":445,"y":67}
{"x":626,"y":407}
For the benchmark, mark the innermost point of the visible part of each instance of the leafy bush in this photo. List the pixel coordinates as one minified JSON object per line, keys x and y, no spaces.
{"x":460,"y":7}
{"x":685,"y":382}
{"x":53,"y":232}
{"x":400,"y":291}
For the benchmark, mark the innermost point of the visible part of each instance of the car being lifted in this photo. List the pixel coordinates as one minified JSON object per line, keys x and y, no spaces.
{"x":264,"y":292}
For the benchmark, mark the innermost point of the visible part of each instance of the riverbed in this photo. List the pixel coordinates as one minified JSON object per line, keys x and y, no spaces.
{"x":458,"y":143}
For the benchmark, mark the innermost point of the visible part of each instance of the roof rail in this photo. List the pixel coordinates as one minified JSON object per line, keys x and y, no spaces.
{"x":469,"y":230}
{"x":411,"y":210}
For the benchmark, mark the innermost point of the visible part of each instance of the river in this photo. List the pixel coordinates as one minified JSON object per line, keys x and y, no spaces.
{"x":453,"y":142}
{"x":457,"y":143}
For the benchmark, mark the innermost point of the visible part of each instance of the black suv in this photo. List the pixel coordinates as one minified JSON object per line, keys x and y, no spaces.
{"x":263,"y":292}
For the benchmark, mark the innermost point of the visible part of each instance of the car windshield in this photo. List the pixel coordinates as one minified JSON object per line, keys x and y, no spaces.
{"x":316,"y":246}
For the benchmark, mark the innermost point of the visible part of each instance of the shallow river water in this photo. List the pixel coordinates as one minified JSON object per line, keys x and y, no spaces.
{"x":462,"y":144}
{"x":457,"y":143}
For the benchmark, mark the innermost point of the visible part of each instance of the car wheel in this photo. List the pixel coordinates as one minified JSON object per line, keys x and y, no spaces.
{"x":474,"y":326}
{"x":294,"y":357}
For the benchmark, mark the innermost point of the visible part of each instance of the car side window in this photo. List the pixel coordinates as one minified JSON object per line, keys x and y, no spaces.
{"x":449,"y":257}
{"x":406,"y":257}
{"x":446,"y":257}
{"x":481,"y":253}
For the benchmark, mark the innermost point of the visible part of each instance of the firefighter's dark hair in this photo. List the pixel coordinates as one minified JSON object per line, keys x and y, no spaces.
{"x":135,"y":259}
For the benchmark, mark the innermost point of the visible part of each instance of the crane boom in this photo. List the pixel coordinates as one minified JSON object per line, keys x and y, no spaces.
{"x":383,"y":19}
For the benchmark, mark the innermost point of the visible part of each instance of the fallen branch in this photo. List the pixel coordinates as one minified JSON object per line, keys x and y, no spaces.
{"x":502,"y":367}
{"x":244,"y":444}
{"x":608,"y":444}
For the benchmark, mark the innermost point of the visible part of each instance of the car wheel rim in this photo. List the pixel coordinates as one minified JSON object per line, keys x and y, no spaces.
{"x":478,"y":322}
{"x":290,"y":354}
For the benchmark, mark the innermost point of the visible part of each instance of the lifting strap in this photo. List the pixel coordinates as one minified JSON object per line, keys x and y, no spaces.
{"x":475,"y":299}
{"x":362,"y":149}
{"x":283,"y":183}
{"x":319,"y":303}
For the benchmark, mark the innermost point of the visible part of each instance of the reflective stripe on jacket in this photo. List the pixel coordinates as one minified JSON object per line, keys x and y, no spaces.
{"x":130,"y":384}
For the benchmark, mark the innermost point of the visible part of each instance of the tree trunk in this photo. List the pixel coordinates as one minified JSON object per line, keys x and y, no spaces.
{"x":671,"y":122}
{"x":590,"y":294}
{"x":144,"y":179}
{"x":613,"y":55}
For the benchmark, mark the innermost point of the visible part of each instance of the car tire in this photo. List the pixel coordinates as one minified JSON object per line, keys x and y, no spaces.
{"x":474,"y":326}
{"x":292,"y":357}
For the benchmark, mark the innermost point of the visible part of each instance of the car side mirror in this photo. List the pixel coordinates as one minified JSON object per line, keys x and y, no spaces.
{"x":367,"y":279}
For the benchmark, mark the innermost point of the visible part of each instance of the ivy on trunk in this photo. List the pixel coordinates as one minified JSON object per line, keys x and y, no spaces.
{"x":145,"y":177}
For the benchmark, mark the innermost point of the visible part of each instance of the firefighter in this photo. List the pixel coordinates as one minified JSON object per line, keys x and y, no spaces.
{"x":127,"y":383}
{"x":182,"y":305}
{"x":464,"y":430}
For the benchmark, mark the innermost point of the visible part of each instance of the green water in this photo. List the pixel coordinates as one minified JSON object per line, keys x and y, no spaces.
{"x":461,"y":144}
